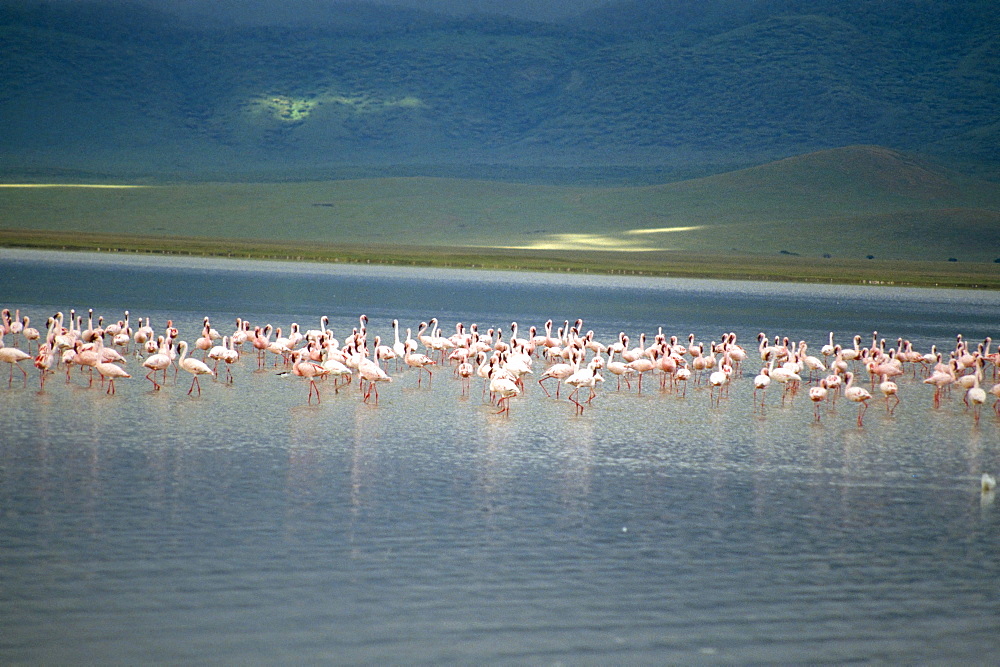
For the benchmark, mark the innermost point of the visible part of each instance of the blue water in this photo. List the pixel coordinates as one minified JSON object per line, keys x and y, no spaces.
{"x":249,"y":526}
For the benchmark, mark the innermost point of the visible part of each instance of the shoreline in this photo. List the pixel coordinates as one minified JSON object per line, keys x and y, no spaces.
{"x":664,"y":264}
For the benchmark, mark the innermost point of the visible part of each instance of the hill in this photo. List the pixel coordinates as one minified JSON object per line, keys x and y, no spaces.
{"x":644,"y":91}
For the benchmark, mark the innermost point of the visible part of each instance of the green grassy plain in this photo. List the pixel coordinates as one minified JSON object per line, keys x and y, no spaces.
{"x":852,"y":215}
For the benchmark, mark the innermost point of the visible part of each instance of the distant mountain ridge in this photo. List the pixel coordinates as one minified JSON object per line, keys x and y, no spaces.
{"x":120,"y":88}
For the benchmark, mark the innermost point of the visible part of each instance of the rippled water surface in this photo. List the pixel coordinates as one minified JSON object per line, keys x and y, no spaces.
{"x":247,"y":525}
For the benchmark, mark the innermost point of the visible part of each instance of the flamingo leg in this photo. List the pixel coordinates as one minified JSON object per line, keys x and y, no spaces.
{"x":572,"y":397}
{"x":544,"y":389}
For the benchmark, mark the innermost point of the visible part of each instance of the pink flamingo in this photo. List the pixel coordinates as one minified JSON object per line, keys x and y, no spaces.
{"x":420,"y":362}
{"x":857,"y":395}
{"x":44,"y":360}
{"x":503,"y":386}
{"x":111,"y":372}
{"x":193,"y":366}
{"x":976,"y":395}
{"x":559,"y":372}
{"x":310,"y":370}
{"x":371,"y":372}
{"x":817,"y":395}
{"x":30,"y":333}
{"x":158,"y":362}
{"x":585,"y":377}
{"x":890,"y":390}
{"x":13,"y":356}
{"x":642,"y":365}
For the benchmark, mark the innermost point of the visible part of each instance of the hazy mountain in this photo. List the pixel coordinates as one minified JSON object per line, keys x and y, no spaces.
{"x":667,"y":88}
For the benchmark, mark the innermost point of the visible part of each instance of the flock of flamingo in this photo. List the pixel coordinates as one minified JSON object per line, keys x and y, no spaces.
{"x":562,"y":357}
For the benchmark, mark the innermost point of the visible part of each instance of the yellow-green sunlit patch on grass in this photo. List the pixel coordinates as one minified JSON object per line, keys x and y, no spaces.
{"x":408,"y":102}
{"x":581,"y":242}
{"x":666,"y":230}
{"x":287,"y":108}
{"x":364,"y":104}
{"x":298,"y":109}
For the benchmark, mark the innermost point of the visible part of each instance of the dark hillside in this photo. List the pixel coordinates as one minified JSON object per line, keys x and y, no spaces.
{"x":673,"y":87}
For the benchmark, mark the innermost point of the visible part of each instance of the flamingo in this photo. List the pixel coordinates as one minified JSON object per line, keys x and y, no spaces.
{"x":890,"y":390}
{"x":158,"y":362}
{"x":218,"y":353}
{"x":193,"y":366}
{"x":518,"y":363}
{"x":15,"y":325}
{"x":465,"y":371}
{"x":373,"y":374}
{"x":230,"y":355}
{"x":585,"y":377}
{"x":260,"y":341}
{"x":302,"y":367}
{"x":505,"y":389}
{"x":111,"y":372}
{"x":397,"y":345}
{"x":420,"y":362}
{"x":560,"y":371}
{"x":620,"y":369}
{"x":858,"y":395}
{"x":44,"y":360}
{"x":761,"y":382}
{"x":810,"y":362}
{"x":123,"y":336}
{"x":716,"y":380}
{"x":941,"y":379}
{"x":642,"y":365}
{"x":683,"y":374}
{"x":30,"y":333}
{"x":828,"y":349}
{"x":817,"y":395}
{"x":13,"y":356}
{"x":785,"y":376}
{"x":668,"y":365}
{"x":976,"y":395}
{"x":87,"y":355}
{"x":143,"y":334}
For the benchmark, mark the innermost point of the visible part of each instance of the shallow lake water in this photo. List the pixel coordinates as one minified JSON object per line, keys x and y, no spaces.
{"x":248,"y":525}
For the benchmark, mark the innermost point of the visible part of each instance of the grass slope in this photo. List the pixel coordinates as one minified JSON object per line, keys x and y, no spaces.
{"x":813,"y":217}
